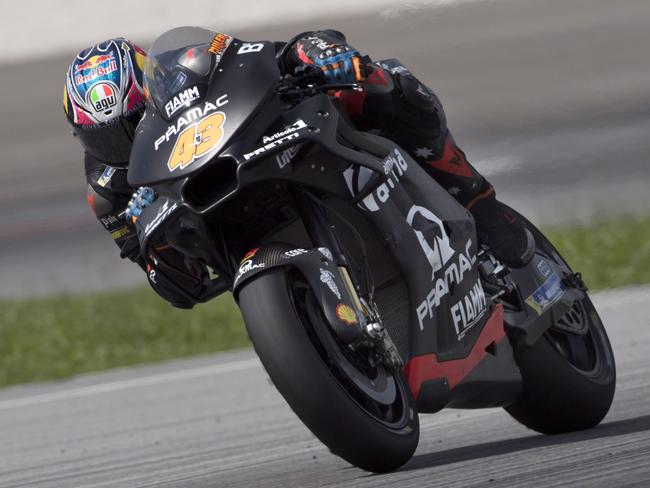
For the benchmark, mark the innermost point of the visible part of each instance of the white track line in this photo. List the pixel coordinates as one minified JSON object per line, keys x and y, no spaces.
{"x":603,"y":300}
{"x":155,"y":379}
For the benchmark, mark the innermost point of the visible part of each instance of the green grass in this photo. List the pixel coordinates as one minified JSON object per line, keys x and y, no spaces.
{"x":608,"y":254}
{"x":54,"y":338}
{"x":44,"y":339}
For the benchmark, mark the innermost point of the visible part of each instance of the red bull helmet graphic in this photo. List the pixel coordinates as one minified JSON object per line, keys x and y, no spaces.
{"x":104,"y":82}
{"x":104,"y":90}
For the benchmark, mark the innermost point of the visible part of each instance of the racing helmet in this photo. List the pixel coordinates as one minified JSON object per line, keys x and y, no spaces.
{"x":103,"y":98}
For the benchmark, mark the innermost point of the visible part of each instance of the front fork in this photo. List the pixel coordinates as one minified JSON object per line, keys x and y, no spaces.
{"x":322,"y":233}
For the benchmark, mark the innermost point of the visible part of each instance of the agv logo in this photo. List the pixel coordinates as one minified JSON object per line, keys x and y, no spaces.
{"x":102,"y":96}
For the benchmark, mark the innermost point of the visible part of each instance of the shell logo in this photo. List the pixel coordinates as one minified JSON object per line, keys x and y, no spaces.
{"x":248,"y":255}
{"x":346,"y":314}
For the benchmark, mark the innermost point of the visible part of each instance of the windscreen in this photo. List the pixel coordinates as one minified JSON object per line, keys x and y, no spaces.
{"x":178,"y":67}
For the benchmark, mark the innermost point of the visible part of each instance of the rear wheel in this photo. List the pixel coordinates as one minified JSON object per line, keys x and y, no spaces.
{"x":363,"y":413}
{"x":569,"y":375}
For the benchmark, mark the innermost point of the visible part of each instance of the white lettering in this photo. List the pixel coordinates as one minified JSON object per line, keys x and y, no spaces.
{"x":163,"y":212}
{"x":453,"y":274}
{"x":394,"y":165}
{"x":247,"y":266}
{"x":270,"y":145}
{"x":295,"y":252}
{"x":189,"y":117}
{"x":468,"y":311}
{"x":248,"y":47}
{"x":297,"y":125}
{"x":183,"y":99}
{"x":423,"y":310}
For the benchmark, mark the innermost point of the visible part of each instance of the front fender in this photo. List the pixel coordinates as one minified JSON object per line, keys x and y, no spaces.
{"x":323,"y":276}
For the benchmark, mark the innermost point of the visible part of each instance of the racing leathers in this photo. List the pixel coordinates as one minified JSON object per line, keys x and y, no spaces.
{"x":394,"y":103}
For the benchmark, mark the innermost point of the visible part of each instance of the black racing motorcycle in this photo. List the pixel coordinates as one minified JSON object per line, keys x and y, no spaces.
{"x":363,"y":287}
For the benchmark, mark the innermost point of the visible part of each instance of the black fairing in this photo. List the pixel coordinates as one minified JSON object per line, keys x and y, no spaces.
{"x":238,"y":85}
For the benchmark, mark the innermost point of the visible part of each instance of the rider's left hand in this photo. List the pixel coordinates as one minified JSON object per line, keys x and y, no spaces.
{"x":141,"y":199}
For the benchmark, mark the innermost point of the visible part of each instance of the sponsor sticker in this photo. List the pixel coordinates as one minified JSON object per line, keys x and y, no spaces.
{"x":394,"y":166}
{"x":285,"y":157}
{"x":249,"y":255}
{"x":248,"y":265}
{"x":469,"y":310}
{"x":95,"y":67}
{"x":277,"y":139}
{"x":191,"y":117}
{"x":121,"y":232}
{"x":437,"y":249}
{"x":327,"y":253}
{"x":346,"y":314}
{"x":182,"y":99}
{"x":109,"y":221}
{"x":454,"y":273}
{"x":295,"y":252}
{"x":546,"y":295}
{"x":164,"y":211}
{"x":219,"y":44}
{"x":106,"y":176}
{"x":327,"y":277}
{"x":102,"y":96}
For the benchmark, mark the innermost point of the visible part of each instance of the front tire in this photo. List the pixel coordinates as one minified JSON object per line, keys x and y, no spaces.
{"x":287,"y":329}
{"x":569,"y":379}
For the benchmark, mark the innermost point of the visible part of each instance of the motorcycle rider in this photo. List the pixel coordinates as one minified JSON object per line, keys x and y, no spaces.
{"x":104,"y":99}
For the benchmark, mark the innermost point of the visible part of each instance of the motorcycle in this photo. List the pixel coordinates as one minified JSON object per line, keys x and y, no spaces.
{"x":361,"y":282}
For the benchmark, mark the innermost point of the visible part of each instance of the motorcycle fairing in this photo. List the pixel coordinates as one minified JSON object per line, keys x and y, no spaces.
{"x":239,"y":84}
{"x":487,"y":377}
{"x":412,"y":212}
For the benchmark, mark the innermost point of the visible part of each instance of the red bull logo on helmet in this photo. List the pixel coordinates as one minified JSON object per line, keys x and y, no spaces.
{"x":95,"y":67}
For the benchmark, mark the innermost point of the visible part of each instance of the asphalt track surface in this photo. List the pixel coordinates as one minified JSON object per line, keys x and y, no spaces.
{"x":549,"y":98}
{"x":218,"y":422}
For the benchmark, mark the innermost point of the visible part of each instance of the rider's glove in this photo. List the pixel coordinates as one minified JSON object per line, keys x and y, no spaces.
{"x":141,"y":199}
{"x":339,"y":62}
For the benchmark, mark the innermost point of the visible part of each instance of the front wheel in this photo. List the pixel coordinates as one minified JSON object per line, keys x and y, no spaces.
{"x":363,"y":413}
{"x":569,"y":374}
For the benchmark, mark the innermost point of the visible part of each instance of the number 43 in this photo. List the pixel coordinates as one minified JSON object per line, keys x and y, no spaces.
{"x":197,"y":140}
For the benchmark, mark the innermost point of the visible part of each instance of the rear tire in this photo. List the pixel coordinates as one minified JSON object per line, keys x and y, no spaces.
{"x":280,"y":314}
{"x":569,"y":379}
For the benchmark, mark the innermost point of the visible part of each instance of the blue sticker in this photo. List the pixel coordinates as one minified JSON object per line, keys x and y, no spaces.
{"x":547,"y":294}
{"x":106,"y":176}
